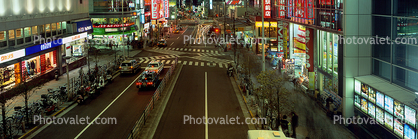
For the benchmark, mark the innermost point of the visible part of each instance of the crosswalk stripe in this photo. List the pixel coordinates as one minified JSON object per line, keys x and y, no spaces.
{"x":202,"y":64}
{"x":220,"y":65}
{"x":146,"y":61}
{"x":211,"y":51}
{"x":190,"y":49}
{"x":184,"y":62}
{"x":178,"y":61}
{"x":198,"y":50}
{"x":216,"y":52}
{"x":190,"y":62}
{"x":177,"y":48}
{"x":162,"y":61}
{"x":194,"y":50}
{"x":174,"y":62}
{"x":196,"y":63}
{"x":181,"y":49}
{"x":168,"y":62}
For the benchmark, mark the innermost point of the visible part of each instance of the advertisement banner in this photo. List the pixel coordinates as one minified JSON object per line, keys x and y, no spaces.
{"x":17,"y":73}
{"x":299,"y":38}
{"x":267,"y":9}
{"x":147,"y":2}
{"x":280,"y":35}
{"x":309,"y":49}
{"x":311,"y":80}
{"x":285,"y":40}
{"x":68,"y":50}
{"x":310,"y":10}
{"x":12,"y":55}
{"x":161,"y":9}
{"x":289,"y":8}
{"x":154,"y":9}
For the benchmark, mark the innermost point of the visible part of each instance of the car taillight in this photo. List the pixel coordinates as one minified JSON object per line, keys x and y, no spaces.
{"x":137,"y":83}
{"x":120,"y":67}
{"x":130,"y":67}
{"x":149,"y":83}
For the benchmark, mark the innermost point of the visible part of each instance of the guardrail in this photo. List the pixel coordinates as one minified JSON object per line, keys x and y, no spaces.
{"x":150,"y":106}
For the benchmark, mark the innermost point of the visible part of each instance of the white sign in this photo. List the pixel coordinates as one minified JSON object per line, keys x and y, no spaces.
{"x":12,"y":55}
{"x":146,"y":25}
{"x":68,"y":50}
{"x":74,"y":38}
{"x":111,"y":29}
{"x":210,"y":2}
{"x":154,"y":9}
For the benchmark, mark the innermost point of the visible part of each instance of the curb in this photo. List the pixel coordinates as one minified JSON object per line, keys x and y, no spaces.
{"x":245,"y":100}
{"x":36,"y":127}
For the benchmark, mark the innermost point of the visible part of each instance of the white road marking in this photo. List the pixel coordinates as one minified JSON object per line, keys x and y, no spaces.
{"x":177,"y":48}
{"x":190,"y":63}
{"x":196,"y":63}
{"x":178,"y":37}
{"x":184,"y":62}
{"x":211,"y":51}
{"x":206,"y":106}
{"x":194,"y":50}
{"x":220,"y":65}
{"x":168,"y":62}
{"x":202,"y":64}
{"x":174,"y":62}
{"x":198,"y":50}
{"x":216,"y":52}
{"x":171,"y":43}
{"x":162,"y":61}
{"x":181,"y":49}
{"x":190,"y":49}
{"x":178,"y":61}
{"x":82,"y":131}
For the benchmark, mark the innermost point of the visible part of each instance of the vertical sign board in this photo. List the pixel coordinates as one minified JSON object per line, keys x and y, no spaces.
{"x":167,"y":10}
{"x":17,"y":73}
{"x":280,"y":35}
{"x":285,"y":39}
{"x":154,"y":9}
{"x":210,"y":4}
{"x":289,"y":8}
{"x":282,"y":11}
{"x":309,"y":57}
{"x":267,"y":9}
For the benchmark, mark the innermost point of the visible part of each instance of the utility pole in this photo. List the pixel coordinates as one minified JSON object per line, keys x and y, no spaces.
{"x":263,"y":41}
{"x":224,"y":24}
{"x":123,"y":25}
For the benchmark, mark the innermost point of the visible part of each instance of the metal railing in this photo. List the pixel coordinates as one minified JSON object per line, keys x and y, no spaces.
{"x":150,"y":106}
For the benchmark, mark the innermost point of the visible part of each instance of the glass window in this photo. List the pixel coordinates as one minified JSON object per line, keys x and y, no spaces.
{"x":2,"y":35}
{"x":64,"y":25}
{"x":59,"y":25}
{"x":405,"y":7}
{"x":53,"y":26}
{"x":329,"y":44}
{"x":381,"y":7}
{"x":381,"y":51}
{"x":35,"y":30}
{"x":381,"y":69}
{"x":335,"y":53}
{"x":381,"y":26}
{"x":48,"y":28}
{"x":324,"y":50}
{"x":405,"y":78}
{"x":28,"y":31}
{"x":11,"y":34}
{"x":405,"y":55}
{"x":42,"y":29}
{"x":405,"y":28}
{"x":19,"y":33}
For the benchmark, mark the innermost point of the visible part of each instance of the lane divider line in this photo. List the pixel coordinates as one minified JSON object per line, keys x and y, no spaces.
{"x":114,"y":100}
{"x":206,"y":106}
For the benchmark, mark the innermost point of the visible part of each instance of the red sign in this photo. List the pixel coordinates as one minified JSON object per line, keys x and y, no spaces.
{"x":309,"y":49}
{"x":310,"y":10}
{"x":147,"y":2}
{"x":167,"y":11}
{"x":154,"y":9}
{"x":161,"y":9}
{"x":282,"y":11}
{"x":114,"y":25}
{"x":267,"y":9}
{"x":326,"y":2}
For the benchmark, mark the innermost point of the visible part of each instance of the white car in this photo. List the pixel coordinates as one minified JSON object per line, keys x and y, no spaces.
{"x":155,"y":66}
{"x":129,"y":66}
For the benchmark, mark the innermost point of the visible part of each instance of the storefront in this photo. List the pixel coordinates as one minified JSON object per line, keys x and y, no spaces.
{"x":394,"y":116}
{"x":8,"y":78}
{"x":270,"y":36}
{"x":74,"y":46}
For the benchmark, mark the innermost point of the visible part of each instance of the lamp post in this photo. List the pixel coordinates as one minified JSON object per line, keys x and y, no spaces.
{"x":263,"y":41}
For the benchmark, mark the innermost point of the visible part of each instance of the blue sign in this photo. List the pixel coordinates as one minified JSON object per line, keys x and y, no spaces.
{"x":84,"y":26}
{"x":41,"y":47}
{"x":142,"y":18}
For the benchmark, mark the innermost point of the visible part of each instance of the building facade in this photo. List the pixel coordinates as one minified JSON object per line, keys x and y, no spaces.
{"x":35,"y":35}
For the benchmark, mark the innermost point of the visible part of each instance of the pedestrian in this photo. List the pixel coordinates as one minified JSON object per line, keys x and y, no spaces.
{"x":328,"y":102}
{"x":285,"y":125}
{"x":294,"y":122}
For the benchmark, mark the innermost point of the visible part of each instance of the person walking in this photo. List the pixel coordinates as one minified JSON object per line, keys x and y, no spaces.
{"x":294,"y":122}
{"x":285,"y":125}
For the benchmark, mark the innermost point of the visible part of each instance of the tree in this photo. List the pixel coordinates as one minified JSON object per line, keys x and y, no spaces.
{"x":273,"y":93}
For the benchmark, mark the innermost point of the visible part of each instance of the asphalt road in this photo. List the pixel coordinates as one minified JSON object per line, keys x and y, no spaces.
{"x":188,"y":100}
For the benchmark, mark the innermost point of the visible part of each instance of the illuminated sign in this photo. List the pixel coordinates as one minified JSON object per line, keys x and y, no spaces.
{"x":114,"y":25}
{"x":111,"y":30}
{"x":282,"y":11}
{"x":266,"y":24}
{"x":210,"y":4}
{"x":147,"y":14}
{"x":267,"y":9}
{"x":84,"y":26}
{"x":41,"y":47}
{"x":12,"y":55}
{"x":74,"y":38}
{"x":167,"y":10}
{"x":154,"y":9}
{"x":142,"y":19}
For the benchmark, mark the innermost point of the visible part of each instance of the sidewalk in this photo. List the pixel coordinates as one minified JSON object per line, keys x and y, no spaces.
{"x":35,"y":95}
{"x":313,"y":122}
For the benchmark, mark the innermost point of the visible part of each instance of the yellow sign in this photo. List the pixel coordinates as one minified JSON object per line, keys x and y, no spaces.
{"x":240,"y":29}
{"x":285,"y":42}
{"x":311,"y":81}
{"x":266,"y":24}
{"x":299,"y":45}
{"x":17,"y":73}
{"x":153,"y":22}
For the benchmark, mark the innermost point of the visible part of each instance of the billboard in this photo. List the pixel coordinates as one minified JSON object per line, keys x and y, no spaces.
{"x":166,"y":8}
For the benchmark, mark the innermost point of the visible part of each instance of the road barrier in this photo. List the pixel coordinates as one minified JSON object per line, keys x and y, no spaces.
{"x":142,"y":120}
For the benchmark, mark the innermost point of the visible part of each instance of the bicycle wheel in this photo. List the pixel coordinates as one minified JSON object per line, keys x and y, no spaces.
{"x":12,"y":128}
